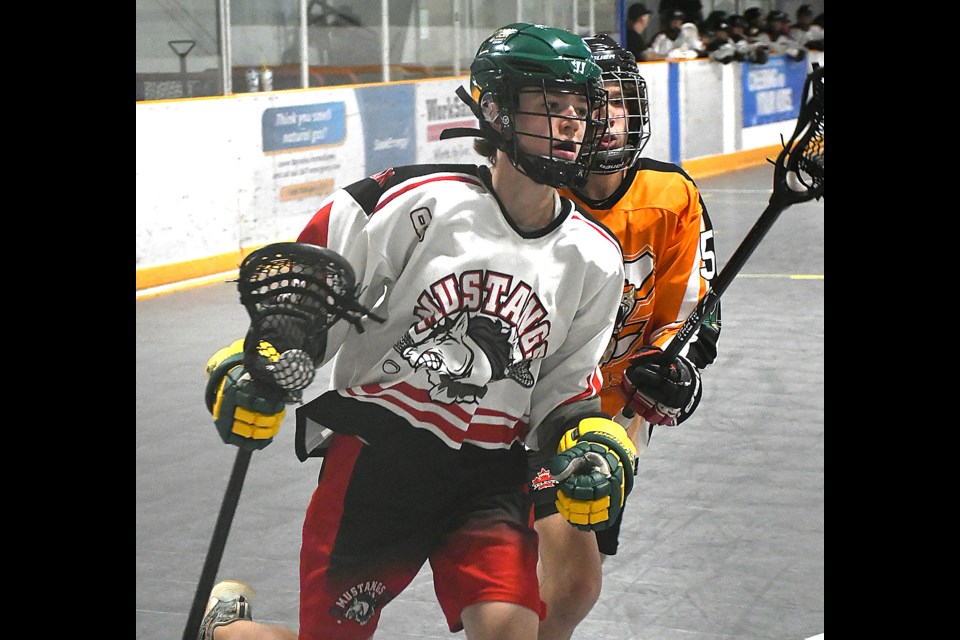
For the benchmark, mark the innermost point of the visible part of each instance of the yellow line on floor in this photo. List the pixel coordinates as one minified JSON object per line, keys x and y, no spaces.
{"x":186,"y":284}
{"x":143,"y":294}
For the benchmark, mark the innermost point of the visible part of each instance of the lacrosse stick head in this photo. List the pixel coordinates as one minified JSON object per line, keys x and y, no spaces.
{"x":798,"y":173}
{"x":293,"y":293}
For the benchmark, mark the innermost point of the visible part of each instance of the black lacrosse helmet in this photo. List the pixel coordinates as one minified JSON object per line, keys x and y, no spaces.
{"x":626,"y":89}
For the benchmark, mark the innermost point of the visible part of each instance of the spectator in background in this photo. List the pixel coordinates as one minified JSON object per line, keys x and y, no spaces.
{"x":804,"y":32}
{"x":738,"y":27}
{"x":680,"y":40}
{"x":691,"y":9}
{"x":638,"y":19}
{"x":721,"y":46}
{"x":727,"y":45}
{"x":778,"y":25}
{"x":756,"y":24}
{"x":709,"y":30}
{"x":777,"y":37}
{"x":713,"y":21}
{"x":746,"y":49}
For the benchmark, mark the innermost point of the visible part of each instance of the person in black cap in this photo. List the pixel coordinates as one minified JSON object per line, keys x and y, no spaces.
{"x":638,"y":18}
{"x":776,"y":37}
{"x":804,"y":31}
{"x":679,"y":40}
{"x":691,"y":9}
{"x":756,"y":23}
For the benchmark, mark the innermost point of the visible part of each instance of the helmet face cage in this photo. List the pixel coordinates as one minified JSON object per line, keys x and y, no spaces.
{"x":524,"y":58}
{"x":548,"y":168}
{"x":628,"y":103}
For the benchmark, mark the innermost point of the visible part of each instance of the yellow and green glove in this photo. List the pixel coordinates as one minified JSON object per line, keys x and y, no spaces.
{"x":595,"y":467}
{"x":247,"y":413}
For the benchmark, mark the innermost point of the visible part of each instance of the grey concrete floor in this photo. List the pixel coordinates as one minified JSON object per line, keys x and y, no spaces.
{"x":723,"y":538}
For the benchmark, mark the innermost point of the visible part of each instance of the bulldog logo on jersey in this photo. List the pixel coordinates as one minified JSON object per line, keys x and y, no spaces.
{"x":462,"y":354}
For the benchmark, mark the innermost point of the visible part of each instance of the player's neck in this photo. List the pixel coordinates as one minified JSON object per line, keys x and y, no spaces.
{"x":529,"y":204}
{"x":601,"y":186}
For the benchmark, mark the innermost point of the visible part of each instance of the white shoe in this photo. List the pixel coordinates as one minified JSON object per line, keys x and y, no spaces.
{"x":230,"y":601}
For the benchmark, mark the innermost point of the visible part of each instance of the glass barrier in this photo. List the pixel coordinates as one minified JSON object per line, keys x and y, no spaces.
{"x":184,"y":47}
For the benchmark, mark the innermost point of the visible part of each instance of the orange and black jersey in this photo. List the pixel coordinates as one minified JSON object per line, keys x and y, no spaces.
{"x":669,"y":260}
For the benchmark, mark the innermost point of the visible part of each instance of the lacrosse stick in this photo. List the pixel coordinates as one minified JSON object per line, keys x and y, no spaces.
{"x":797,"y":177}
{"x":293,"y":293}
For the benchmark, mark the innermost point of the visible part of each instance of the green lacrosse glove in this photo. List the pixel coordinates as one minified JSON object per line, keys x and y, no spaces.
{"x":595,"y":467}
{"x":246,"y":413}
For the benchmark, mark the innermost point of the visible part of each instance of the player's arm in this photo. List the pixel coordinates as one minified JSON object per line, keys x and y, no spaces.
{"x":339,"y":225}
{"x":590,"y":458}
{"x":667,"y":393}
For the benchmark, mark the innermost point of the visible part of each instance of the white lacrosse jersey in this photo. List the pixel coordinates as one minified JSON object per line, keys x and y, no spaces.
{"x":488,"y":327}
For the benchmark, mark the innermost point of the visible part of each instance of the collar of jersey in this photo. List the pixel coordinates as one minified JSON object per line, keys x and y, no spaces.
{"x":563,"y":209}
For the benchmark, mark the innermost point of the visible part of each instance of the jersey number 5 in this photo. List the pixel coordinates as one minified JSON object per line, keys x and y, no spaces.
{"x":707,"y":255}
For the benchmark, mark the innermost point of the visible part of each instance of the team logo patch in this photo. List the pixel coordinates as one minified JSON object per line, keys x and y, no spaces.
{"x":360,"y":602}
{"x":543,"y":480}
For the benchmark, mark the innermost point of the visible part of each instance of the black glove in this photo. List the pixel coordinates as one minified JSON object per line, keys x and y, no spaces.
{"x":660,"y":392}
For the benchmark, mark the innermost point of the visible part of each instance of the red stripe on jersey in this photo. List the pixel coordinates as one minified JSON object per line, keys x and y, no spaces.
{"x":456,"y":178}
{"x":479,"y":432}
{"x":317,"y":230}
{"x":456,"y":423}
{"x":593,"y":387}
{"x":599,"y":229}
{"x":479,"y":416}
{"x":418,"y":415}
{"x":454,"y":412}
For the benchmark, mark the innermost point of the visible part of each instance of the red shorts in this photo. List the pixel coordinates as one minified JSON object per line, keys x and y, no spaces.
{"x":380,"y":512}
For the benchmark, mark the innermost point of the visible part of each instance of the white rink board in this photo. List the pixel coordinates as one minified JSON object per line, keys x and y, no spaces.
{"x":208,"y":185}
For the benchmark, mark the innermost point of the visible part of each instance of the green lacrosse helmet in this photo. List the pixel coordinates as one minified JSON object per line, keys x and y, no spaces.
{"x":523,"y":56}
{"x":529,"y":54}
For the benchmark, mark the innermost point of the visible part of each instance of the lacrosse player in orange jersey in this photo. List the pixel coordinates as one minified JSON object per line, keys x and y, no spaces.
{"x":656,"y":211}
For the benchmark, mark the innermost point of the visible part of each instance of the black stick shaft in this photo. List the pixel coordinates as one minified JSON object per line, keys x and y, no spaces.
{"x":724,"y":278}
{"x":720,"y":283}
{"x":217,"y":543}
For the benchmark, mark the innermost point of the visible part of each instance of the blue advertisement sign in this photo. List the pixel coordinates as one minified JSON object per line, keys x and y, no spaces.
{"x":389,"y":125}
{"x":303,"y":126}
{"x":772,"y":92}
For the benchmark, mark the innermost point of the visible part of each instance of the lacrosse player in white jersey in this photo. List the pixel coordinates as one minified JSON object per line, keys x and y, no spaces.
{"x":497,"y":298}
